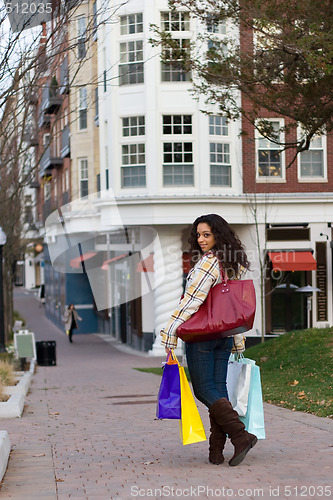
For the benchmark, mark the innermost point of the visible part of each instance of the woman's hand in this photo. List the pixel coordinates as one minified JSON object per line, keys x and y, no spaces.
{"x":167,"y":350}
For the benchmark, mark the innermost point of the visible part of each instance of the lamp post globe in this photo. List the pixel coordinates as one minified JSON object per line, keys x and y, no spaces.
{"x":3,"y":239}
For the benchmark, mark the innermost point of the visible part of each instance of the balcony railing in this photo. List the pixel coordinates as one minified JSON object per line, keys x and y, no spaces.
{"x":49,"y":161}
{"x":65,"y":142}
{"x":51,"y":99}
{"x":34,"y":184}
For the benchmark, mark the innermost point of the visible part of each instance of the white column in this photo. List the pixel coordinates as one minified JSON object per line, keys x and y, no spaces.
{"x":167,"y":261}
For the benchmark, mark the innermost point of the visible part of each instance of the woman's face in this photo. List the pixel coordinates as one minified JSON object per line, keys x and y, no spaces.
{"x":205,"y":237}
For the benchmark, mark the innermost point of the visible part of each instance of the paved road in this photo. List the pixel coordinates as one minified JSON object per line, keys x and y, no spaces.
{"x":88,"y":431}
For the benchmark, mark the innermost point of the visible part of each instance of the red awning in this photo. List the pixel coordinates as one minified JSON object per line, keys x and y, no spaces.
{"x":147,"y":265}
{"x":77,"y":261}
{"x":293,"y":261}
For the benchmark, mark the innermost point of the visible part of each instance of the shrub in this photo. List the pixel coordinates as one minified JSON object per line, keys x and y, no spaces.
{"x":7,"y":376}
{"x":3,"y":397}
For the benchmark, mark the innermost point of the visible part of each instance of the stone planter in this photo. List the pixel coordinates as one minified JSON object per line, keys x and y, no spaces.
{"x":15,"y":404}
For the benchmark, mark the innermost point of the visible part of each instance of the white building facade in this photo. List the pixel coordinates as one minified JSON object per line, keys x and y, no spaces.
{"x":164,"y":159}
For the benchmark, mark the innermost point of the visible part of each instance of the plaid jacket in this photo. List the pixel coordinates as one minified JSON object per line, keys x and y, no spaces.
{"x":204,"y":275}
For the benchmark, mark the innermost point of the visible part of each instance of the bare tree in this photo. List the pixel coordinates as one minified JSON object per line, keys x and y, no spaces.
{"x":31,"y":55}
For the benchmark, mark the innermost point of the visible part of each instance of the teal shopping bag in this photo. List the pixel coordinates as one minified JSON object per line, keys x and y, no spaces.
{"x":254,"y":418}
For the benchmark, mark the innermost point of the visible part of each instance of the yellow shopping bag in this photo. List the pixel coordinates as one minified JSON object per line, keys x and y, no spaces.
{"x":190,"y":426}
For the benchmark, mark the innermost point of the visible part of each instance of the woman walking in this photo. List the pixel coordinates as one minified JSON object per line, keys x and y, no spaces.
{"x":71,"y":317}
{"x":212,"y":243}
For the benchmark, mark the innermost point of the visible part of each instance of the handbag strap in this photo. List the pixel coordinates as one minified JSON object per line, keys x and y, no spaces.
{"x":224,"y":276}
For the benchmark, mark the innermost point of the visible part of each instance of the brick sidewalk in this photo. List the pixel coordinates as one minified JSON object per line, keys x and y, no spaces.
{"x":88,"y":432}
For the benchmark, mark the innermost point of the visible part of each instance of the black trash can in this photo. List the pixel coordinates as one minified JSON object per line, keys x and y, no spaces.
{"x":46,"y":353}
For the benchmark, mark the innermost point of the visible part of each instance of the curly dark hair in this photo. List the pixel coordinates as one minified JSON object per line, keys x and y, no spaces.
{"x":228,"y":248}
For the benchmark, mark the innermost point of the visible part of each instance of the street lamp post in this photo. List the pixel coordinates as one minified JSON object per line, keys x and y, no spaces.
{"x":308,"y":291}
{"x":3,"y":239}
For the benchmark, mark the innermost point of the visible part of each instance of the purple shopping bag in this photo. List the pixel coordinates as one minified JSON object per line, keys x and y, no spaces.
{"x":168,"y":401}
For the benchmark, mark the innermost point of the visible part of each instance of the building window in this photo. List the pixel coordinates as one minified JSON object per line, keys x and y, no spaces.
{"x":217,"y":41}
{"x":47,"y":190}
{"x":218,"y":27}
{"x":172,"y":69}
{"x":133,"y":170}
{"x":28,"y":215}
{"x":218,"y":125}
{"x":83,"y":172}
{"x":81,"y":35}
{"x":67,"y":179}
{"x":175,"y":21}
{"x":107,"y":179}
{"x":265,"y":49}
{"x":178,"y":168}
{"x":55,"y":190}
{"x":178,"y":164}
{"x":269,"y":155}
{"x":131,"y":62}
{"x":133,"y":23}
{"x":133,"y":126}
{"x":312,"y":160}
{"x":220,"y":167}
{"x":104,"y":81}
{"x":95,"y":20}
{"x":177,"y":124}
{"x":46,"y":139}
{"x":96,"y":106}
{"x":105,"y":71}
{"x":83,"y":111}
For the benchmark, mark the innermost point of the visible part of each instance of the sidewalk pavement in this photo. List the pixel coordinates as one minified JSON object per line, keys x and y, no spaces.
{"x":88,"y":431}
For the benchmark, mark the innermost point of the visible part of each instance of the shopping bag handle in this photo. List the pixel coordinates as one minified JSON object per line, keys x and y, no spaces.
{"x":171,"y":358}
{"x":237,"y":356}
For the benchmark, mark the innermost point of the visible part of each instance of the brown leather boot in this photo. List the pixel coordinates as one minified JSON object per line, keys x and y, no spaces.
{"x":217,"y":441}
{"x":227,"y":418}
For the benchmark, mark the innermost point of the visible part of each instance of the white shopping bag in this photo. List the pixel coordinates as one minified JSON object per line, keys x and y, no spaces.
{"x":238,"y":383}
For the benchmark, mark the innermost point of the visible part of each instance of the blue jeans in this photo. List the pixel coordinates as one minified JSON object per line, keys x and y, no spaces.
{"x":208,"y":364}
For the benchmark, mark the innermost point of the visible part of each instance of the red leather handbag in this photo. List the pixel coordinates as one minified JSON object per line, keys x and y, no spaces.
{"x":229,"y":309}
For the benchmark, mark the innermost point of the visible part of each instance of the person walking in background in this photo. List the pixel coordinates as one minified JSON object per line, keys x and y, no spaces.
{"x":212,"y":243}
{"x":71,"y":317}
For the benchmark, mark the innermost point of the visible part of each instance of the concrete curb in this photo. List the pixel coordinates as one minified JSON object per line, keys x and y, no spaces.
{"x":14,"y":406}
{"x":4,"y":452}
